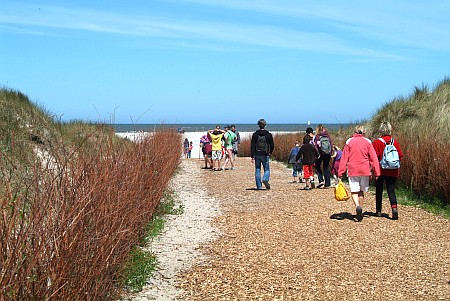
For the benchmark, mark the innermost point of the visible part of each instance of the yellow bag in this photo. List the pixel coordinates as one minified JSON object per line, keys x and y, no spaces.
{"x":340,"y":192}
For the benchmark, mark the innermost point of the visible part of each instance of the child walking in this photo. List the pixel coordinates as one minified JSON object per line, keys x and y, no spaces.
{"x":191,"y":146}
{"x":308,"y":155}
{"x":296,"y":165}
{"x":337,"y":154}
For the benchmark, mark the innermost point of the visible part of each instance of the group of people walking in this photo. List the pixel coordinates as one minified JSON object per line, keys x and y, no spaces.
{"x":359,"y":160}
{"x":315,"y":154}
{"x":217,"y":144}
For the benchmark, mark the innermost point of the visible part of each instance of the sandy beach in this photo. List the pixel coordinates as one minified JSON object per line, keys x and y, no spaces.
{"x":191,"y":136}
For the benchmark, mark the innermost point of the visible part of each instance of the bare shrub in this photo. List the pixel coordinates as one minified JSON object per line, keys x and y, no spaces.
{"x":66,"y":232}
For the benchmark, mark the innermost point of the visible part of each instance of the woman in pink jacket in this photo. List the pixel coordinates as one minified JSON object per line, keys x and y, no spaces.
{"x":358,"y":159}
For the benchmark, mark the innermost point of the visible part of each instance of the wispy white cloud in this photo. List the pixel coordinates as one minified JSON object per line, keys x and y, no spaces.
{"x":403,"y":22}
{"x":222,"y":34}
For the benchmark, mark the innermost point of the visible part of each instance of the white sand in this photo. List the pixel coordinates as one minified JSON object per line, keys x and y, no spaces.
{"x":177,"y":246}
{"x":191,"y":136}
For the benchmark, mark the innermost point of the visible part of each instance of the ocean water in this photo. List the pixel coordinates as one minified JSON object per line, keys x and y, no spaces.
{"x":244,"y":127}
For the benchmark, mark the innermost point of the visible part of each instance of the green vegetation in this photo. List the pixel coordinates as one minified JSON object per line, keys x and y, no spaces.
{"x":406,"y":197}
{"x":139,"y":268}
{"x":142,"y":263}
{"x":167,"y":206}
{"x":424,"y":112}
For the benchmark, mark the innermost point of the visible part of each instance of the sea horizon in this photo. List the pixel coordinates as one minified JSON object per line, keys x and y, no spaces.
{"x":202,"y":127}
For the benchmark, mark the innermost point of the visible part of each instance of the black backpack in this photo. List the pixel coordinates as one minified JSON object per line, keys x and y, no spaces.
{"x":325,"y":145}
{"x":261,"y":144}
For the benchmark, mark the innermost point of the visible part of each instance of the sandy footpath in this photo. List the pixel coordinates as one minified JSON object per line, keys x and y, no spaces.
{"x":176,"y":247}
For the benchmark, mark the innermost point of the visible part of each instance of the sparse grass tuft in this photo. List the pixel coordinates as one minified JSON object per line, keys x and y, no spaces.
{"x":433,"y":205}
{"x":142,"y":263}
{"x":139,"y":269}
{"x":169,"y":204}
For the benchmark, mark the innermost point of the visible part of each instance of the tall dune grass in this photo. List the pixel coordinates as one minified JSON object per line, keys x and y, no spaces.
{"x":421,"y":124}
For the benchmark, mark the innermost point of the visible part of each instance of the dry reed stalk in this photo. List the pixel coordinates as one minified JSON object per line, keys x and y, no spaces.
{"x":66,"y":235}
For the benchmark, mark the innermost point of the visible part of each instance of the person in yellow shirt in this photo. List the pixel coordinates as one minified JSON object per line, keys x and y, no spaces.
{"x":216,"y":136}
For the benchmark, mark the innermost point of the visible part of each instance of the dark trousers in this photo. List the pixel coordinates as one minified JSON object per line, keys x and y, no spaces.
{"x":390,"y":187}
{"x":324,"y":160}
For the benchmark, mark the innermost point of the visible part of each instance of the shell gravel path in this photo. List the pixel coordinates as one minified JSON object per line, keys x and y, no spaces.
{"x":290,"y":244}
{"x":236,"y":243}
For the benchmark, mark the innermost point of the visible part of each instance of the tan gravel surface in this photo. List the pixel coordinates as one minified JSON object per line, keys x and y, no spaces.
{"x":289,"y":244}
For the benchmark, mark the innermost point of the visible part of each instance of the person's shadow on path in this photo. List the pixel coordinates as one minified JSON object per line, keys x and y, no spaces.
{"x":347,"y":215}
{"x":343,"y":215}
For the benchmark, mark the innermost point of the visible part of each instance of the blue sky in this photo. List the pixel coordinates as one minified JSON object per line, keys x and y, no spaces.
{"x":221,"y":61}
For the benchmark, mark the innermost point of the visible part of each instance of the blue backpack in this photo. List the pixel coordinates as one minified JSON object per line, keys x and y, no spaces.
{"x":390,"y":159}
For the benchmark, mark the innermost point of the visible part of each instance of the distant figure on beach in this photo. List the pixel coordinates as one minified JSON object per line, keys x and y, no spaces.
{"x":186,"y":147}
{"x":388,"y":176}
{"x":229,"y":136}
{"x":236,"y":142}
{"x":358,"y":160}
{"x":191,"y":146}
{"x":323,"y":143}
{"x":216,"y":136}
{"x":296,"y":164}
{"x":205,"y":144}
{"x":262,"y":147}
{"x":308,"y":155}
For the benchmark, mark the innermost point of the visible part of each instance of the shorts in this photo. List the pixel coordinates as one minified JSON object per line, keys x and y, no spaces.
{"x":308,"y":171}
{"x":359,"y":183}
{"x":216,"y":155}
